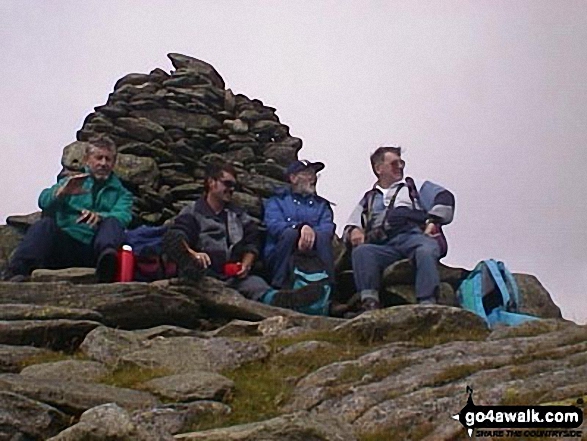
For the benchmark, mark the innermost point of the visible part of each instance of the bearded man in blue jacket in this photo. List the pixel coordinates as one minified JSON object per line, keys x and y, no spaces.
{"x":297,"y":219}
{"x":84,"y":216}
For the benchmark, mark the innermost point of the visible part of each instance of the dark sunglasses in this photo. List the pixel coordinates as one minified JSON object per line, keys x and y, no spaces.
{"x":229,"y":184}
{"x":398,"y":163}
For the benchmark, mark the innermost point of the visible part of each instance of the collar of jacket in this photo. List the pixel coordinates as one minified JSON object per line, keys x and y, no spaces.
{"x":282,"y":192}
{"x":112,"y":180}
{"x":202,"y":207}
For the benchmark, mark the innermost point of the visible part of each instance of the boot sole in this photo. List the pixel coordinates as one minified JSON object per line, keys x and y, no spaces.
{"x":176,"y":251}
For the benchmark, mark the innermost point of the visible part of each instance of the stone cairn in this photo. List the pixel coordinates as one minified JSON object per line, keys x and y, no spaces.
{"x":167,"y":127}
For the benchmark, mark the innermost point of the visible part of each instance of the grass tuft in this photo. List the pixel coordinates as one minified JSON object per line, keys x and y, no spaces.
{"x":131,"y":376}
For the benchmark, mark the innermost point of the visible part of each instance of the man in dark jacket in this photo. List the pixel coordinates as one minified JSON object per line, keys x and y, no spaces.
{"x":297,"y":219}
{"x":390,"y":224}
{"x":215,"y":237}
{"x":84,"y":216}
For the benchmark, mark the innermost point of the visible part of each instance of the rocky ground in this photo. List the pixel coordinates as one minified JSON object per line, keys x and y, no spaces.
{"x":169,"y":361}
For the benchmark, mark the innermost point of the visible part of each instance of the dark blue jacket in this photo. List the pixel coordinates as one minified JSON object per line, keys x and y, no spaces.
{"x":287,"y":210}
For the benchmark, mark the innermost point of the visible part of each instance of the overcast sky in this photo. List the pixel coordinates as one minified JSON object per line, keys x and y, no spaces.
{"x":488,"y":98}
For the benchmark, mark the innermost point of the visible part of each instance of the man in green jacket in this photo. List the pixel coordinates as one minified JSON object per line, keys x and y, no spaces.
{"x":83,"y":221}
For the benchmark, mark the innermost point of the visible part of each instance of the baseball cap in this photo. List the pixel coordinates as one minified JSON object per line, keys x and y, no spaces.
{"x":298,"y":166}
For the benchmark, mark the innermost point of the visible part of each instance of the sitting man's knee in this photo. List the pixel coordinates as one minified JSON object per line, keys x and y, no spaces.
{"x":427,"y":251}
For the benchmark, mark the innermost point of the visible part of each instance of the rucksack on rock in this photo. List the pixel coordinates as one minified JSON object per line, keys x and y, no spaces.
{"x":491,"y":292}
{"x":308,"y":269}
{"x":147,"y":246}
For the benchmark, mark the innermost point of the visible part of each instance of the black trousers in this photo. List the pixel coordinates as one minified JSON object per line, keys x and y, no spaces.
{"x":45,"y":245}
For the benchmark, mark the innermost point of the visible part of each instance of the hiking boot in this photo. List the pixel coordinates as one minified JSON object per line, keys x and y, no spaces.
{"x":370,"y":305}
{"x":338,"y":309}
{"x":427,"y":301}
{"x":366,"y":305}
{"x":18,"y":278}
{"x":106,"y":266}
{"x":298,"y":298}
{"x":174,"y":247}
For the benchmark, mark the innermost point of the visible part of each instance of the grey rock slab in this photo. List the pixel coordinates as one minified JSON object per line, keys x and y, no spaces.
{"x":138,"y":170}
{"x":198,"y":385}
{"x":132,"y":78}
{"x":73,"y":275}
{"x":67,"y":370}
{"x":75,"y":397}
{"x":219,"y":300}
{"x":124,"y":305}
{"x":12,"y":358}
{"x":108,"y":422}
{"x":534,"y":298}
{"x":73,"y":156}
{"x":282,"y":155}
{"x":59,"y":334}
{"x":148,"y":150}
{"x":178,"y":417}
{"x":46,"y":312}
{"x":292,"y":427}
{"x":237,"y":328}
{"x":188,"y":354}
{"x":10,"y":237}
{"x":409,"y":322}
{"x":140,"y":128}
{"x":23,"y":418}
{"x":305,"y":348}
{"x":400,"y":384}
{"x":180,"y":119}
{"x":181,"y":61}
{"x":108,"y":345}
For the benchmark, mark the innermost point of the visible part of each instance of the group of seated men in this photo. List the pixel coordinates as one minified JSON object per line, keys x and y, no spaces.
{"x":84,"y":217}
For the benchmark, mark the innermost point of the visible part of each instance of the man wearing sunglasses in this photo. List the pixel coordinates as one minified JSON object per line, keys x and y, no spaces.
{"x":387,"y":225}
{"x":297,"y":219}
{"x":215,"y":237}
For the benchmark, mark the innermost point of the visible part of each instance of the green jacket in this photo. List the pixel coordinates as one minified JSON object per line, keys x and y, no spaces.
{"x":109,"y":200}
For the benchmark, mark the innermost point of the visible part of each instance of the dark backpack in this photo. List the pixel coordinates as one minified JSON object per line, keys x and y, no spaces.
{"x":147,"y":246}
{"x":307,"y":269}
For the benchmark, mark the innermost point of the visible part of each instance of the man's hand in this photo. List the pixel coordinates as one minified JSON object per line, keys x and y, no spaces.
{"x":431,"y":230}
{"x":247,"y":262}
{"x":73,"y":185}
{"x":201,"y":259}
{"x":90,"y":218}
{"x":357,"y":237}
{"x":307,"y":238}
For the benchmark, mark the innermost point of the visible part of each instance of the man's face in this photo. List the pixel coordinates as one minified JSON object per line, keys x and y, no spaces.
{"x":223,"y":188}
{"x":100,"y":161}
{"x":304,"y":182}
{"x":391,"y":169}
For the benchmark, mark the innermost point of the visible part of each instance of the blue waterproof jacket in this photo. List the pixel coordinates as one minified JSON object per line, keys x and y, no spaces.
{"x":287,"y":210}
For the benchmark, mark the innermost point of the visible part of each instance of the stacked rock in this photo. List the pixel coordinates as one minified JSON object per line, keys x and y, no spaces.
{"x":167,"y":127}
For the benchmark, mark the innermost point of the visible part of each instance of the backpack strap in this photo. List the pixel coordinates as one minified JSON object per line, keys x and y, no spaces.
{"x":394,"y":197}
{"x":493,"y":268}
{"x":514,"y":302}
{"x":414,"y":195}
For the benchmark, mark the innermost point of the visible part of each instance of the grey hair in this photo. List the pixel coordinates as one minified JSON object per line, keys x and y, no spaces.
{"x":378,"y":155}
{"x":100,"y":142}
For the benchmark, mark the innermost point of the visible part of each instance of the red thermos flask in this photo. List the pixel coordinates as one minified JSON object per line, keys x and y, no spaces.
{"x":126,"y":265}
